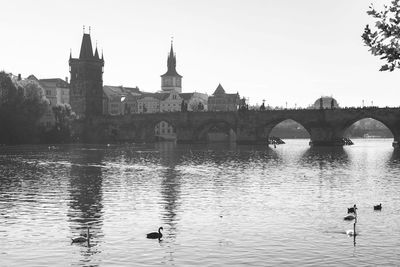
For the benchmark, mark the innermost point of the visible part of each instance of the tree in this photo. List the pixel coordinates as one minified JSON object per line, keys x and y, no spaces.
{"x":22,"y":103}
{"x":383,"y":40}
{"x":62,"y":114}
{"x":61,"y":132}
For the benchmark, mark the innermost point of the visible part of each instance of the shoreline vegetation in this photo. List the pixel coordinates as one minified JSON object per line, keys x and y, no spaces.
{"x":22,"y":105}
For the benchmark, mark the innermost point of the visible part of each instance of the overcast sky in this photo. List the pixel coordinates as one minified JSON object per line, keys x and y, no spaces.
{"x":281,"y":51}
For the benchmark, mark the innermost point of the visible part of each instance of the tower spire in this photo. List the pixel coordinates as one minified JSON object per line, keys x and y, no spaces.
{"x":171,"y":80}
{"x":86,"y":47}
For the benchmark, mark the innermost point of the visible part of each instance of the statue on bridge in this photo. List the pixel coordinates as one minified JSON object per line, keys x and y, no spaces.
{"x":184,"y":106}
{"x":262,"y":107}
{"x":242,"y":105}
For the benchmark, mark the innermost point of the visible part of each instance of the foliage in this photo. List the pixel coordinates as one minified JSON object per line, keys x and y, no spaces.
{"x":22,"y":103}
{"x":62,"y":114}
{"x":383,"y":39}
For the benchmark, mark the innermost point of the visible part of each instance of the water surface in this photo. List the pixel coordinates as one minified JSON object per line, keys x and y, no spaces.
{"x":218,"y":204}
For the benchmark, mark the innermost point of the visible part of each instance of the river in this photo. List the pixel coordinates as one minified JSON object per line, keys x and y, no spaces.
{"x":219,"y":204}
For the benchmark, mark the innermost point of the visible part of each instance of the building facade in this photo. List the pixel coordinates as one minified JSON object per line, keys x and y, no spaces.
{"x":119,"y":100}
{"x":56,"y":90}
{"x":195,"y":101}
{"x":170,"y":102}
{"x":86,"y":82}
{"x":221,"y":101}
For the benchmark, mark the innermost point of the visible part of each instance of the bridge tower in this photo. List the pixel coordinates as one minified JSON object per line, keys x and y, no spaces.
{"x":171,"y":80}
{"x":86,"y":83}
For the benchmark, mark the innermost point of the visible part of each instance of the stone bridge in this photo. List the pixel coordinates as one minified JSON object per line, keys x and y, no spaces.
{"x":325,"y":126}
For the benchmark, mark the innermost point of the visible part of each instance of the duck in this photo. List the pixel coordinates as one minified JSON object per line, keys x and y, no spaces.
{"x":349,"y":217}
{"x":378,"y":207}
{"x":82,"y":238}
{"x":352,"y":209}
{"x":155,"y":235}
{"x":352,"y":232}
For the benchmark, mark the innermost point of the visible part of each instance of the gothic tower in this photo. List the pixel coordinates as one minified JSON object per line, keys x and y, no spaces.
{"x":171,"y":80}
{"x":86,"y":83}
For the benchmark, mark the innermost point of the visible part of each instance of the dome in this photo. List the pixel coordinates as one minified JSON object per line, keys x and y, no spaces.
{"x":327,"y":102}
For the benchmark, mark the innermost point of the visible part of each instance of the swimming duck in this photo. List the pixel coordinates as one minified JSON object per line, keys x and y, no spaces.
{"x":352,"y":209}
{"x":378,"y":207}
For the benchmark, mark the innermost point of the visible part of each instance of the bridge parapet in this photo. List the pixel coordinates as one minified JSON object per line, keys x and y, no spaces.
{"x":325,"y":126}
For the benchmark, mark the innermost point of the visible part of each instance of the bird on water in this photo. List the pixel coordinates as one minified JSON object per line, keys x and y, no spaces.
{"x":378,"y":207}
{"x":81,"y":239}
{"x":349,"y":217}
{"x":155,"y":235}
{"x":352,"y":209}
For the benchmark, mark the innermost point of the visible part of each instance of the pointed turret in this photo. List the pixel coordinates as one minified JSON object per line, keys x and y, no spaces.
{"x":86,"y":47}
{"x":96,"y":54}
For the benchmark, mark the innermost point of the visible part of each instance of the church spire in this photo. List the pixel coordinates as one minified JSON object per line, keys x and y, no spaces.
{"x":171,"y":59}
{"x":171,"y":80}
{"x":171,"y":63}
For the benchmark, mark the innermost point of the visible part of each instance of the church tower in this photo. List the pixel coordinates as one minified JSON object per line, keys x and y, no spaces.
{"x":86,"y":83}
{"x":171,"y":80}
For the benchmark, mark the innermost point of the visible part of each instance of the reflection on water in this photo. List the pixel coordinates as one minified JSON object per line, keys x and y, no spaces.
{"x":170,"y":185}
{"x":219,"y":204}
{"x":323,"y":156}
{"x":85,"y":201}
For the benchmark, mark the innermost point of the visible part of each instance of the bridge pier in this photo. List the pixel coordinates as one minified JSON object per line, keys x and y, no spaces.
{"x":325,"y":136}
{"x":250,"y":135}
{"x":396,"y":142}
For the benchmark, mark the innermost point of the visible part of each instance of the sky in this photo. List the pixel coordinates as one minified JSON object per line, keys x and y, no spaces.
{"x":285,"y":51}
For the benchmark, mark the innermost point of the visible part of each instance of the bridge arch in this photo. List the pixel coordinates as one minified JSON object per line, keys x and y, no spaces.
{"x":289,"y":128}
{"x":368,"y":126}
{"x":271,"y":128}
{"x":164,"y":130}
{"x":215,"y":131}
